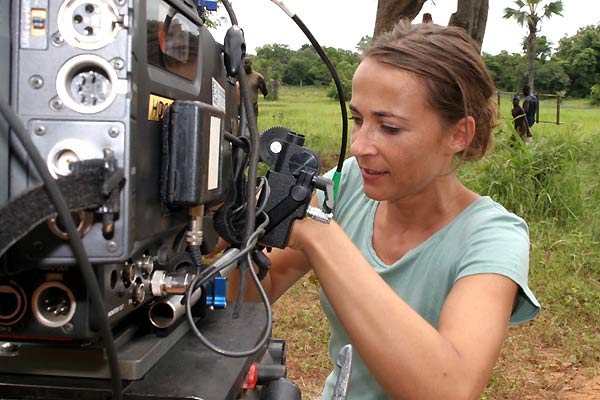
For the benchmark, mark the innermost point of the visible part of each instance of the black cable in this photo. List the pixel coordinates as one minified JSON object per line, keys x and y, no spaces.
{"x":253,"y":160}
{"x":338,"y":85}
{"x":209,"y":273}
{"x":77,"y":245}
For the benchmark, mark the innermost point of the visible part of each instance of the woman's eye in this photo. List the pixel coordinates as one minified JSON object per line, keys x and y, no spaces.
{"x":390,"y":129}
{"x":355,"y":120}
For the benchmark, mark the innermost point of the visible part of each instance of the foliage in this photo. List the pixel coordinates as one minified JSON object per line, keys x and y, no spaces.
{"x":509,"y":71}
{"x":579,"y":56}
{"x":528,"y":13}
{"x":364,"y":42}
{"x":272,"y":59}
{"x":573,"y":69}
{"x":304,"y":66}
{"x":595,"y":94}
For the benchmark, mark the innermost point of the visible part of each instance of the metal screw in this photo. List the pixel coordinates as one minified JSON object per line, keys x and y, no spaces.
{"x":56,"y":104}
{"x":40,"y":130}
{"x":111,"y":246}
{"x":113,"y":132}
{"x":118,"y":63}
{"x":57,"y":39}
{"x":9,"y":348}
{"x":36,"y":82}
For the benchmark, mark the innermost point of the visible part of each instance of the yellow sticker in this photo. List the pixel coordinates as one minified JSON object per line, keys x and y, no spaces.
{"x":157,"y":106}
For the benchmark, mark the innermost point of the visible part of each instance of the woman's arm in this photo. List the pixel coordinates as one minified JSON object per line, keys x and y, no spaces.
{"x":409,"y":357}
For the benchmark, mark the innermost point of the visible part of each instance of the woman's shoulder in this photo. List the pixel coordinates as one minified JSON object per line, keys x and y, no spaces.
{"x":485,"y":218}
{"x":486,"y":208}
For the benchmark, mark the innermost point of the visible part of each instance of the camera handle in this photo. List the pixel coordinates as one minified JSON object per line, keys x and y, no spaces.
{"x":292,"y":179}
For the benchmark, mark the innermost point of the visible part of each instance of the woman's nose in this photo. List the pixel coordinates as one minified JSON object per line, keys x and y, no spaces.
{"x":362,"y":143}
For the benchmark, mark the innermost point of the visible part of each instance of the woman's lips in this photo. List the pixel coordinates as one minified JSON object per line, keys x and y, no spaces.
{"x":372,"y":174}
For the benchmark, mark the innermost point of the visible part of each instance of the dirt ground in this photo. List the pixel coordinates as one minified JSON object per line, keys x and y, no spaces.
{"x":582,"y":388}
{"x":528,"y":369}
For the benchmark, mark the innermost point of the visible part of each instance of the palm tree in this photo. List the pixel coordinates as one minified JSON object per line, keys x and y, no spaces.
{"x":528,"y":11}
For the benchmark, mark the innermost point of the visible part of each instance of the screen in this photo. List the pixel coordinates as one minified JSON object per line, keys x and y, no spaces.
{"x":173,"y":40}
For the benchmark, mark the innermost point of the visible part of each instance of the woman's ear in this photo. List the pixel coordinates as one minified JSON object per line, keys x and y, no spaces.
{"x":462,"y":134}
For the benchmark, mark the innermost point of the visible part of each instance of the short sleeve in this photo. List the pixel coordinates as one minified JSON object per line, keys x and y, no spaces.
{"x":500,"y":245}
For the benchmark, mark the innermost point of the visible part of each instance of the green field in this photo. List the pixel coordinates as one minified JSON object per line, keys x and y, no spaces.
{"x":551,"y":182}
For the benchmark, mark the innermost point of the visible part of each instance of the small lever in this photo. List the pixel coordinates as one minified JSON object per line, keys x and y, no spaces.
{"x":344,"y":361}
{"x":326,"y":185}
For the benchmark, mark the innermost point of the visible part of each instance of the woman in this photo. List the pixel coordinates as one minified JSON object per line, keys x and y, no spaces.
{"x":418,"y":272}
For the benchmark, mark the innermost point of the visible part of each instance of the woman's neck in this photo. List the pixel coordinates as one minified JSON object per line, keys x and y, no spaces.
{"x":430,"y":209}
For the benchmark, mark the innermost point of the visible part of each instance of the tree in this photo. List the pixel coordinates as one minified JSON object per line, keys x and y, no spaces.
{"x":529,"y":12}
{"x":271,"y":60}
{"x":389,"y":12}
{"x":470,"y":15}
{"x":364,"y":42}
{"x":579,"y":56}
{"x":507,"y":70}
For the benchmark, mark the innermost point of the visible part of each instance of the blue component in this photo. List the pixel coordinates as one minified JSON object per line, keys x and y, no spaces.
{"x":220,"y":292}
{"x":217,"y":296}
{"x":209,"y":5}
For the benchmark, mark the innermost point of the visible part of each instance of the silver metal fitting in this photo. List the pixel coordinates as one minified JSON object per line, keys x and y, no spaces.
{"x":162,"y":284}
{"x":194,"y":234}
{"x":319,"y":215}
{"x":146,"y":265}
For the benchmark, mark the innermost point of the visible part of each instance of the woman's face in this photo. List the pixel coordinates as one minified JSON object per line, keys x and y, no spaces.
{"x":397,"y":138}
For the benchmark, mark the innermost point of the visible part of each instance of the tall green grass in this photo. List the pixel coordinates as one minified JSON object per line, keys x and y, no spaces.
{"x":553,"y":183}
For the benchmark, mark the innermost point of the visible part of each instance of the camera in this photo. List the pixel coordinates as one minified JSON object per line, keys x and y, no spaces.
{"x":92,"y":80}
{"x":132,"y":106}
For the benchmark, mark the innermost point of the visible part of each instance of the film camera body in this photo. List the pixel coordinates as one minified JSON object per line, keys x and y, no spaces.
{"x":129,"y":103}
{"x":92,"y":80}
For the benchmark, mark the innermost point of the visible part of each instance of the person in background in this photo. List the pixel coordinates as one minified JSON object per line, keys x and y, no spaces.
{"x":520,"y":120}
{"x":530,"y":105}
{"x":256,"y":82}
{"x":419,"y":273}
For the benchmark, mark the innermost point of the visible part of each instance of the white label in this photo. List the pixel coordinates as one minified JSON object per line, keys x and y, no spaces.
{"x":214,"y":152}
{"x":218,"y":95}
{"x":25,"y":23}
{"x":116,"y":310}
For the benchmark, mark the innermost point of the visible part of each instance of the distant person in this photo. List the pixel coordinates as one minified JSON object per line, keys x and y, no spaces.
{"x":520,"y":120}
{"x":256,"y":82}
{"x":530,"y":105}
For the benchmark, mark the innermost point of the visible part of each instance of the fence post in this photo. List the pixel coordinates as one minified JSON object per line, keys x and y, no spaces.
{"x":558,"y":109}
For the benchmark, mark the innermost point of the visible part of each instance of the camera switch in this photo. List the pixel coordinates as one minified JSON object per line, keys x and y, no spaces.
{"x":38,"y":22}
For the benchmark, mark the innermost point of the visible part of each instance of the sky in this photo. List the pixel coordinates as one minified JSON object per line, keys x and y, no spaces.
{"x":342,"y":23}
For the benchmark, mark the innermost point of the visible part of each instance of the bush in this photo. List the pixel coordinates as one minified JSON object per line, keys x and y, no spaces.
{"x":595,"y":94}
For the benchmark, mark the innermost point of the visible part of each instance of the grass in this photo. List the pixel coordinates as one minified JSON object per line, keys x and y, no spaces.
{"x":552,"y":183}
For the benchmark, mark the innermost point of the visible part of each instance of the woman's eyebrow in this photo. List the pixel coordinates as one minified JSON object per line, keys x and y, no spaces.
{"x":380,"y":113}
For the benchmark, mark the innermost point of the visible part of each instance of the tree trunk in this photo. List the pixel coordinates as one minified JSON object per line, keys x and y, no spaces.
{"x":471,"y":15}
{"x":532,"y":25}
{"x":389,"y":12}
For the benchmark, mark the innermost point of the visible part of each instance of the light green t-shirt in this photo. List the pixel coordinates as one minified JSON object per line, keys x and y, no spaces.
{"x":484,"y":238}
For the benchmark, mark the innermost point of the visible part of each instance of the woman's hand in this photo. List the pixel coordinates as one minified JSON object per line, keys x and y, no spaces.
{"x":305,"y":231}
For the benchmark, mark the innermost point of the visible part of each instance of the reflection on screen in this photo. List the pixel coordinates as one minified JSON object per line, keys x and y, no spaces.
{"x":172,"y":40}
